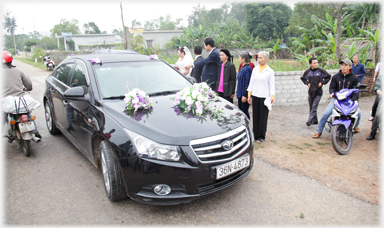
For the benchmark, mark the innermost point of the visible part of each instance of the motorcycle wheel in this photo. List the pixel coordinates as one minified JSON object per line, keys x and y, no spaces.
{"x":24,"y":144}
{"x":51,"y":68}
{"x":341,"y":139}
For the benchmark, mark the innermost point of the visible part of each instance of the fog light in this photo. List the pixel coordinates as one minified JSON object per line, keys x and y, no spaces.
{"x":162,"y":189}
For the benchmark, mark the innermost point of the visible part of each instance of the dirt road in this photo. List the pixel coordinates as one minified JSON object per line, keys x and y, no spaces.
{"x":289,"y":146}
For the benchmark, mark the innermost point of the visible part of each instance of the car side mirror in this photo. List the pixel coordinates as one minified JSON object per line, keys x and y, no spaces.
{"x":74,"y":92}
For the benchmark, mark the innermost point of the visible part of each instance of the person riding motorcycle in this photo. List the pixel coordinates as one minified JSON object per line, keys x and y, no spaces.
{"x":15,"y":83}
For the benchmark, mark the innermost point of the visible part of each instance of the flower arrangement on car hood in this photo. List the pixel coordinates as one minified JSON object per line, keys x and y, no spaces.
{"x":198,"y":99}
{"x":137,"y":99}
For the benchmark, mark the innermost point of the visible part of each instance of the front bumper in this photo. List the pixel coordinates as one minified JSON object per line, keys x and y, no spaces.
{"x":188,"y":183}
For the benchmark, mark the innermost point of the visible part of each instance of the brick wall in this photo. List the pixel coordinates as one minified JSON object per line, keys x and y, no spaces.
{"x":368,"y":80}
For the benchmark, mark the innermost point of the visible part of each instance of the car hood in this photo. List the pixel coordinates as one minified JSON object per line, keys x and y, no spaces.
{"x":165,"y":124}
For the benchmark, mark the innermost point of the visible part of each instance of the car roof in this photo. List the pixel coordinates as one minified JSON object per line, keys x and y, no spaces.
{"x":109,"y":51}
{"x":110,"y":58}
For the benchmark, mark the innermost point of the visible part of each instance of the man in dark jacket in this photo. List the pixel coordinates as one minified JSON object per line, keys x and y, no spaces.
{"x":344,"y":79}
{"x":210,"y":64}
{"x":314,"y":78}
{"x":197,"y":71}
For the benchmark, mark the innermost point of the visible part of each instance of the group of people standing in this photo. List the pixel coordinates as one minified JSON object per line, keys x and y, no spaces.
{"x":350,"y":75}
{"x":255,"y":81}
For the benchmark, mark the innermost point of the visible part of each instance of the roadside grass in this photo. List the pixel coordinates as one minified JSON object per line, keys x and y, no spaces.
{"x":39,"y":65}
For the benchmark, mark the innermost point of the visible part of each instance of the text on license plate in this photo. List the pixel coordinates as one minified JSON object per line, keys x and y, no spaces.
{"x":28,"y":126}
{"x":232,"y":167}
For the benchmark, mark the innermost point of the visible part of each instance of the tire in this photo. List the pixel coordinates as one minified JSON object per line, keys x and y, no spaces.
{"x":112,"y":177}
{"x":25,"y":145}
{"x":49,"y":120}
{"x":51,"y":68}
{"x":341,"y":142}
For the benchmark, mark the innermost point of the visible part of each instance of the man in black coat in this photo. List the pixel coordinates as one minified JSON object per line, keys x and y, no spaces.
{"x":197,"y":71}
{"x":314,"y":78}
{"x":210,"y":64}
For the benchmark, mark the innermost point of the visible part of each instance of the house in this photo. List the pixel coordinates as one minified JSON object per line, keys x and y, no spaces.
{"x":84,"y":42}
{"x":158,"y":38}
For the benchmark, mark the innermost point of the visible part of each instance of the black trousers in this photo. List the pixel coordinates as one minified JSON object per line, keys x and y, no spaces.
{"x":375,"y":104}
{"x":226,"y":98}
{"x":313,"y":104}
{"x":260,"y":117}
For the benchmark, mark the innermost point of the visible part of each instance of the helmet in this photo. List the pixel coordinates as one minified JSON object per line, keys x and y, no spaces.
{"x":7,"y":57}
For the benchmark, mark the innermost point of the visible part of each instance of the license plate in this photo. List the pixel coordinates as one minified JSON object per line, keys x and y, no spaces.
{"x":25,"y":127}
{"x":232,"y":167}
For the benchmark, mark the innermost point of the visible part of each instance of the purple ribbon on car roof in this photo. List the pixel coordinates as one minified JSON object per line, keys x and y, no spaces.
{"x":95,"y":60}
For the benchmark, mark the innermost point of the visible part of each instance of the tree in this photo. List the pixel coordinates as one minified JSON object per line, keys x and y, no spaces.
{"x":302,"y":14}
{"x":91,"y":28}
{"x":267,"y":20}
{"x":163,"y":23}
{"x":28,"y":44}
{"x":238,"y":11}
{"x":339,"y":8}
{"x":10,"y":26}
{"x":364,"y":13}
{"x":135,"y":24}
{"x":118,"y":32}
{"x":47,"y":43}
{"x":65,"y":26}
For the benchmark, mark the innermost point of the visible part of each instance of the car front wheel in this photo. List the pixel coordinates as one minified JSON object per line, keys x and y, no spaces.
{"x":113,"y":181}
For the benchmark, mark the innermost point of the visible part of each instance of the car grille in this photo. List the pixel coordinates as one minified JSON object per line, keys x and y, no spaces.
{"x":210,"y":149}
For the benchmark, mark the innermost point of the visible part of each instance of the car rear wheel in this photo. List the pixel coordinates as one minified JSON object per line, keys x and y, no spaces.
{"x":113,"y":181}
{"x":49,"y":120}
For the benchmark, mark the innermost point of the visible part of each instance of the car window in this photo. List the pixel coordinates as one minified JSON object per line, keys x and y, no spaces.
{"x":62,"y":73}
{"x":78,"y":77}
{"x":116,"y":79}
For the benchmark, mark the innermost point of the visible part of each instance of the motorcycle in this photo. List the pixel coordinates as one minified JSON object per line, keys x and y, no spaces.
{"x":20,"y":124}
{"x":344,"y":118}
{"x":50,"y":64}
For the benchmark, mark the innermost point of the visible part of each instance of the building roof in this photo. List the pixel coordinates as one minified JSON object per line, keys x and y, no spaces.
{"x":359,"y":44}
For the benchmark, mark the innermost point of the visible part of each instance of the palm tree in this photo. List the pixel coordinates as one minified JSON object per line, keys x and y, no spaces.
{"x":10,"y":26}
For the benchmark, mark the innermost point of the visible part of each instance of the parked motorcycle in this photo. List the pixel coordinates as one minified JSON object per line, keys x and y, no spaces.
{"x":50,"y":64}
{"x":344,"y":118}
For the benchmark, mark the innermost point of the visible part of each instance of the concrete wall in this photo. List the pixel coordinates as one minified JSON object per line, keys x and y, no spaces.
{"x":95,"y":39}
{"x":160,"y":37}
{"x":290,"y":90}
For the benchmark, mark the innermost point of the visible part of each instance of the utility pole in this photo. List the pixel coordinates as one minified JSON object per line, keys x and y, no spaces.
{"x":126,"y":37}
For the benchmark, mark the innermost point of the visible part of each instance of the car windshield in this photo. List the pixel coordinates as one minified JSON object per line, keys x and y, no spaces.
{"x":153,"y":77}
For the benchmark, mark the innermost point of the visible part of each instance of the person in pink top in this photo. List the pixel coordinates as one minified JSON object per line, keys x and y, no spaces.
{"x":226,"y":76}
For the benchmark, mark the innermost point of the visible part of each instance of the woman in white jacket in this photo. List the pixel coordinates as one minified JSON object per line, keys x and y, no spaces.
{"x":261,"y":94}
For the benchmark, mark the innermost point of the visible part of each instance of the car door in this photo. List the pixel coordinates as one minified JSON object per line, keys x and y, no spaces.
{"x":78,"y":111}
{"x":60,"y":83}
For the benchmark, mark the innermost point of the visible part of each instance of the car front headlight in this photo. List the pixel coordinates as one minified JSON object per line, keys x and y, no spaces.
{"x":151,"y":149}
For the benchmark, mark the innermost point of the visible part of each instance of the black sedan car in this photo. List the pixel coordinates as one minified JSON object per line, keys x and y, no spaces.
{"x":161,"y":157}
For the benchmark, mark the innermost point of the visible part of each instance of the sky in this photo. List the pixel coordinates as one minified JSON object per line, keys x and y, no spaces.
{"x":44,"y":15}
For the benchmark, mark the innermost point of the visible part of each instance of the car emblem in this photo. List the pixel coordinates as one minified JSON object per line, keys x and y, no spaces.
{"x":227,"y":144}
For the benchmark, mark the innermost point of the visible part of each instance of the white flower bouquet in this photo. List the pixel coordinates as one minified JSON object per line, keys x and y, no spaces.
{"x":198,"y":99}
{"x":137,"y":99}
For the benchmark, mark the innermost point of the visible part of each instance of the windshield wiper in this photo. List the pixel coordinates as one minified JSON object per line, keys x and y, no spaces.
{"x":114,"y":97}
{"x":163,"y":93}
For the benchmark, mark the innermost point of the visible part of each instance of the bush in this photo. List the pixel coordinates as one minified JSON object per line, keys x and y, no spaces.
{"x":38,"y":54}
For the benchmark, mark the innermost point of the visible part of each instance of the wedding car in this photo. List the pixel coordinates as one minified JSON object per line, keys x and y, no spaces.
{"x":163,"y":152}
